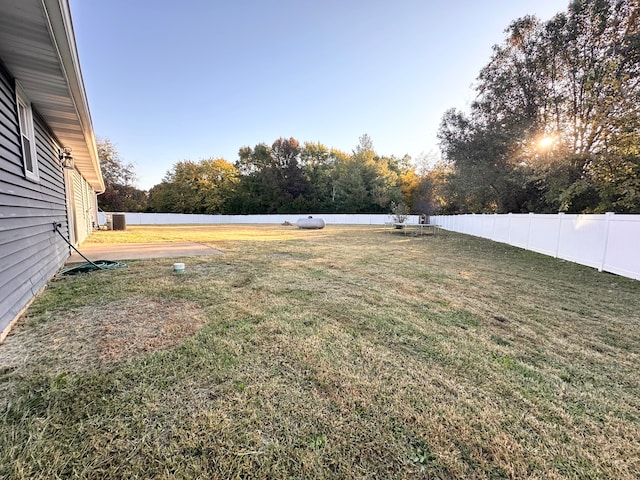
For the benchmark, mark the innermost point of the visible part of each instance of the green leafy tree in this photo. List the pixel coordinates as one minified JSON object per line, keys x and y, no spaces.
{"x":272,"y":179}
{"x":255,"y":190}
{"x":556,"y":116}
{"x":350,"y":194}
{"x":317,"y":163}
{"x":482,"y":173}
{"x":286,"y":177}
{"x":293,"y":183}
{"x":365,"y":182}
{"x":120,"y":194}
{"x":195,"y":187}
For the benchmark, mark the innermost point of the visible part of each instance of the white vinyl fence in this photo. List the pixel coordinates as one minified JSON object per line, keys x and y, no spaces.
{"x":607,"y":242}
{"x":185,"y":218}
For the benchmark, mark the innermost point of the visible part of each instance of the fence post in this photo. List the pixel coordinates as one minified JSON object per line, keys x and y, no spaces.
{"x":607,"y":220}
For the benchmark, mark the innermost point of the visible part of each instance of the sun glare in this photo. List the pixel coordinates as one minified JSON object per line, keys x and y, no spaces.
{"x":545,"y":142}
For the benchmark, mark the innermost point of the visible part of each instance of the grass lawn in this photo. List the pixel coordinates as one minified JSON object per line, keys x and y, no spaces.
{"x":346,"y":352}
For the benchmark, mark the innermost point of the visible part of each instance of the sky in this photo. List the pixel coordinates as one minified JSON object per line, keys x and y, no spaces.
{"x":192,"y":79}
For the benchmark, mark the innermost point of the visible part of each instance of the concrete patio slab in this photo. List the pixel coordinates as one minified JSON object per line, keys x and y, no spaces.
{"x":141,"y":251}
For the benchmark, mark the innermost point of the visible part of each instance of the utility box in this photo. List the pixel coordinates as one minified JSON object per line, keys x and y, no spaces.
{"x":119,"y":221}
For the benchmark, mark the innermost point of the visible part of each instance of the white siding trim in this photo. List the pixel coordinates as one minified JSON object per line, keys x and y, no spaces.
{"x":83,"y":207}
{"x":27,"y":135}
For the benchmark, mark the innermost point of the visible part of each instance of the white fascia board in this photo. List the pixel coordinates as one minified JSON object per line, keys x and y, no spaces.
{"x":58,"y":19}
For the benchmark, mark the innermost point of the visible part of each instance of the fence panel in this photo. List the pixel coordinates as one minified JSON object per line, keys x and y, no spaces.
{"x":607,"y":242}
{"x":544,"y":234}
{"x":488,"y":226}
{"x":582,"y":239}
{"x":519,"y":226}
{"x":501,"y":230}
{"x":623,"y":246}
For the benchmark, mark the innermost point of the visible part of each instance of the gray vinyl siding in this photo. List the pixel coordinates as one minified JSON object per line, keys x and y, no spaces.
{"x":30,"y":251}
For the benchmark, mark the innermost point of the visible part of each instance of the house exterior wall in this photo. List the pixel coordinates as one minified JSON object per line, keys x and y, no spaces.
{"x":84,"y":207}
{"x":30,"y":250}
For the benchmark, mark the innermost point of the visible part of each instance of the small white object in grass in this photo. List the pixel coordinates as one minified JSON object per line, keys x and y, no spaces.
{"x":178,"y":267}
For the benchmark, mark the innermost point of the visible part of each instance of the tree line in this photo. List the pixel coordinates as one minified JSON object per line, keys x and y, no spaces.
{"x":555,"y":126}
{"x":284,"y":177}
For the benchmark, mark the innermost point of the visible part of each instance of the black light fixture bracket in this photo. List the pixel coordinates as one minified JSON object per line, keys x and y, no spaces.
{"x":66,"y":160}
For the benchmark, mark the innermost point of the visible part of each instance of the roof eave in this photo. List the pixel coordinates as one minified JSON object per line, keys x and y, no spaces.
{"x":62,"y":33}
{"x":37,"y":45}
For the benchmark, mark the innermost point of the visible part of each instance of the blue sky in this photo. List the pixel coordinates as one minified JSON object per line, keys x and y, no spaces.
{"x":193,"y":79}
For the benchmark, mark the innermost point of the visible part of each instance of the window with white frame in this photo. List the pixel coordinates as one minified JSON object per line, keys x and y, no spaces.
{"x":27,"y":137}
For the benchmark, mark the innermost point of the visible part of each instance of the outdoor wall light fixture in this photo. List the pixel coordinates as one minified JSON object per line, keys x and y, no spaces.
{"x":65,"y":158}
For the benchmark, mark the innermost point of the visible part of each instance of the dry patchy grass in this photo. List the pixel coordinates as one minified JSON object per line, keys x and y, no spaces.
{"x":96,"y":335}
{"x":341,"y":353}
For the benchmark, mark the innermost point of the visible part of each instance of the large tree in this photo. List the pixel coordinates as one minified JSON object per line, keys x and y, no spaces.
{"x":120,"y":193}
{"x":365,"y":182}
{"x":195,"y":187}
{"x":317,"y":163}
{"x":556,"y":117}
{"x":272,"y":179}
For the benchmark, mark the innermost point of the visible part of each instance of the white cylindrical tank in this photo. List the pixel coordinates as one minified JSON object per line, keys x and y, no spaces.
{"x":310,"y":223}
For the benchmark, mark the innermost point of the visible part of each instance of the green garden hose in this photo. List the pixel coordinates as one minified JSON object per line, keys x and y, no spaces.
{"x":92,"y":266}
{"x":89,"y":266}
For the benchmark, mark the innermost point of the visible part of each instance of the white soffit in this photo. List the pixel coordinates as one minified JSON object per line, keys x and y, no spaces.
{"x":37,"y":45}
